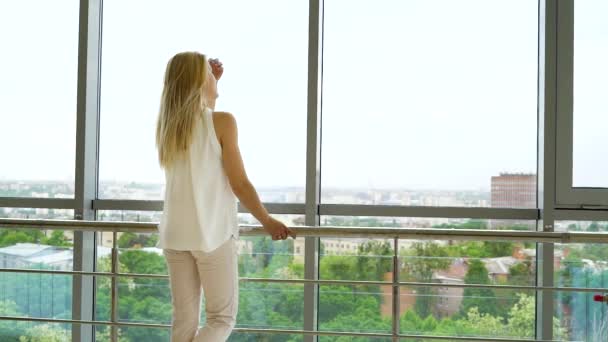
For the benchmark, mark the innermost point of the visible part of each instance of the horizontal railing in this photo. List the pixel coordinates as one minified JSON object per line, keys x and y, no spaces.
{"x":394,"y":234}
{"x":330,"y":231}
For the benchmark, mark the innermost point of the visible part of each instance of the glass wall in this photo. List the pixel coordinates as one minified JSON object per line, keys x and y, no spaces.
{"x":424,"y":103}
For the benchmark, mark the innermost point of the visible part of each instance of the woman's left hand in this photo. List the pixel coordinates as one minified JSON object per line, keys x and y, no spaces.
{"x":217,"y":68}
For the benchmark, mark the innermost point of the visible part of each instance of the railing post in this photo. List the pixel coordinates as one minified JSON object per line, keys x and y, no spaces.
{"x":396,"y":291}
{"x":114,"y":289}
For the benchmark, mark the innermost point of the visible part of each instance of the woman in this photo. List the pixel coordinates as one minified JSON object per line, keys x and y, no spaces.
{"x":198,"y":149}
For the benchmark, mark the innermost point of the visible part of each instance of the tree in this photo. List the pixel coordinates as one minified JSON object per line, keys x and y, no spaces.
{"x":420,"y":263}
{"x":57,"y":238}
{"x":10,"y":237}
{"x":482,"y":298}
{"x":45,"y":333}
{"x":593,"y":227}
{"x":495,"y":249}
{"x":374,"y":260}
{"x":521,"y":274}
{"x":130,"y":240}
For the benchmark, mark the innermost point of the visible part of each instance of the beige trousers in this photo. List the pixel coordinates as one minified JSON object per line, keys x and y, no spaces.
{"x":216,"y":272}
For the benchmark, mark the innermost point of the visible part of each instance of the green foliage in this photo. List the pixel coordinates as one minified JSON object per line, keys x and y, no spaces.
{"x":483,"y":299}
{"x":138,"y":261}
{"x":471,"y":224}
{"x":10,"y":330}
{"x":522,"y":273}
{"x":57,"y":238}
{"x":131,"y":240}
{"x":46,"y":333}
{"x":9,"y":237}
{"x":481,"y":249}
{"x":420,"y":262}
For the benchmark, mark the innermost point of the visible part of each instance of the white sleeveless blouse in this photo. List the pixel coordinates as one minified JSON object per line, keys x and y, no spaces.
{"x":200,"y":209}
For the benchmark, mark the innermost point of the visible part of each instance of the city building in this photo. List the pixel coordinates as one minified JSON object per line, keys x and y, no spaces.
{"x":514,"y":190}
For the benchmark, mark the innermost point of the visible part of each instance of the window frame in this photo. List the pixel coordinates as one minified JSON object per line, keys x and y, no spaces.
{"x":568,"y":196}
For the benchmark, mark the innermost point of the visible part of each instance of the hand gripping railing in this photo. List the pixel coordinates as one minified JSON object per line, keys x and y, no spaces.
{"x":342,"y":232}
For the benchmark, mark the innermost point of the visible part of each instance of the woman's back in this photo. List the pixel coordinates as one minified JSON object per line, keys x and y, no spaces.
{"x":200,"y":209}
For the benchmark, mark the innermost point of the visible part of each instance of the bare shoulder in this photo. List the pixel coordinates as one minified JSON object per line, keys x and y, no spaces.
{"x":224,"y":119}
{"x":224,"y":124}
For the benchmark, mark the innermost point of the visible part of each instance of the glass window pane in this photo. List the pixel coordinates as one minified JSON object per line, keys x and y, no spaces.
{"x":424,"y":102}
{"x":38,"y":97}
{"x":489,"y":313}
{"x":264,"y":49}
{"x":590,"y":74}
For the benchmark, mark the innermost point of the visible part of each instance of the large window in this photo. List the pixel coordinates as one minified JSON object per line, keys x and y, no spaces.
{"x":590,"y":75}
{"x":430,"y":103}
{"x":38,"y":97}
{"x":426,"y":102}
{"x":263,"y":46}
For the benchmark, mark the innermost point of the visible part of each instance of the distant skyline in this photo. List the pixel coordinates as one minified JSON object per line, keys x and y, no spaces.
{"x":414,"y":96}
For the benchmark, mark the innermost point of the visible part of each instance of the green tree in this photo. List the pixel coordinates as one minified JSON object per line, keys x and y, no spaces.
{"x":522,"y":273}
{"x":45,"y":333}
{"x":482,"y":298}
{"x":421,"y":261}
{"x":57,"y":238}
{"x":10,"y":237}
{"x":131,"y":240}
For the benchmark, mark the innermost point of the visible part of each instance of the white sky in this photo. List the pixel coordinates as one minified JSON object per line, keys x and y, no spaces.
{"x":417,"y":94}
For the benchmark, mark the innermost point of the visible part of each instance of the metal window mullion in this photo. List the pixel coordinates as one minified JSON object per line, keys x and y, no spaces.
{"x":564,"y":36}
{"x":423,"y":211}
{"x":313,"y":163}
{"x":581,"y":215}
{"x":546,"y":161}
{"x":86,"y":164}
{"x":33,"y":202}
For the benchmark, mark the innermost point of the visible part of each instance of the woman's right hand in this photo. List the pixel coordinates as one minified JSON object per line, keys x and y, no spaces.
{"x":277,"y":229}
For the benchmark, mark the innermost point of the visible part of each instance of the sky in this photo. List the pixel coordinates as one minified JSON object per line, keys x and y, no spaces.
{"x":416,"y":94}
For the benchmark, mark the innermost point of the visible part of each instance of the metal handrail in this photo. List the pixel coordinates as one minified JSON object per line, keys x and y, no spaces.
{"x":342,"y":232}
{"x":329,"y":231}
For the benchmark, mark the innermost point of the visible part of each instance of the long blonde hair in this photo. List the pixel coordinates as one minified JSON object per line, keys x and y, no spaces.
{"x":182,"y":101}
